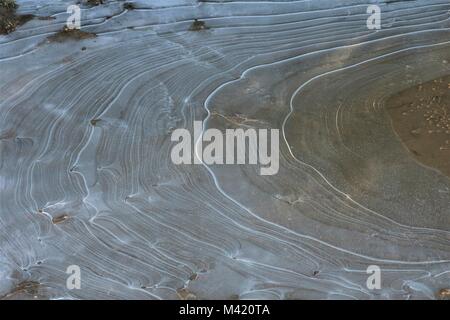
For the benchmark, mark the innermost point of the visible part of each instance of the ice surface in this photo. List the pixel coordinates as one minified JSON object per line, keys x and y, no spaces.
{"x":104,"y":194}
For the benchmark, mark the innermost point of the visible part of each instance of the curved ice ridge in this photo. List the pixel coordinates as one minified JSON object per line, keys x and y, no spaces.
{"x":86,"y":177}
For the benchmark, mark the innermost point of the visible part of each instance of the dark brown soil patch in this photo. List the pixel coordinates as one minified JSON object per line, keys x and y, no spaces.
{"x":60,"y":219}
{"x":9,"y":20}
{"x":198,"y":25}
{"x":46,"y":18}
{"x":129,"y":6}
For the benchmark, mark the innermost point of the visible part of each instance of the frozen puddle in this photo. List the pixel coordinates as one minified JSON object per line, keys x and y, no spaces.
{"x":87,"y":182}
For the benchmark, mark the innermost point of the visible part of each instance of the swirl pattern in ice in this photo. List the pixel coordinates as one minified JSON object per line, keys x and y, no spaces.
{"x":86,"y":177}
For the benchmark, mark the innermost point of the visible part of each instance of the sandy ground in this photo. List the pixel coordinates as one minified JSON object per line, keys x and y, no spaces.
{"x":86,"y":177}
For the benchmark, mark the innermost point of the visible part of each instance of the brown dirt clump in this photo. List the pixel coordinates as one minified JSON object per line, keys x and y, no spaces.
{"x":8,"y":4}
{"x":24,"y":290}
{"x":421,"y":118}
{"x":94,"y":2}
{"x":9,"y":20}
{"x":71,"y":34}
{"x":444,"y":294}
{"x":129,"y":6}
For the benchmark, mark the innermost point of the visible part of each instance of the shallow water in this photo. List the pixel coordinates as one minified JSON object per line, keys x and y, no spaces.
{"x":86,"y":176}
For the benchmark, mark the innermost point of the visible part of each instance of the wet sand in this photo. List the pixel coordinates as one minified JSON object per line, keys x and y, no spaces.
{"x":421,"y":118}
